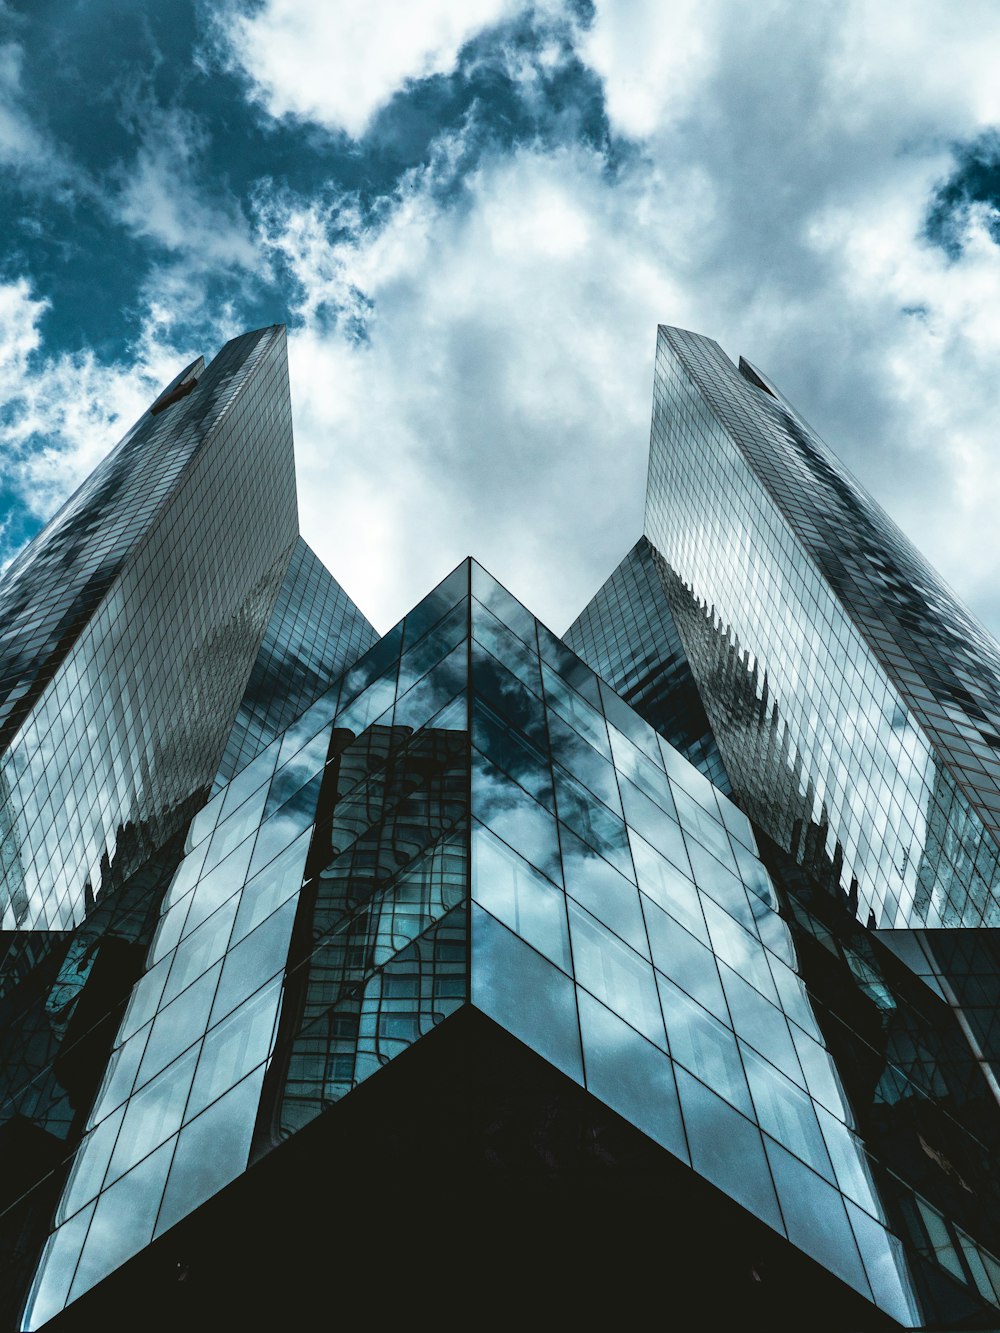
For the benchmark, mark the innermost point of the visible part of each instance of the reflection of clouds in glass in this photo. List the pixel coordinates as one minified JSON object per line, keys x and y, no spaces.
{"x":705,"y":828}
{"x":505,"y":607}
{"x":55,"y":1270}
{"x":417,"y":661}
{"x":153,"y":1115}
{"x":705,"y":1047}
{"x":575,"y":710}
{"x":516,"y":894}
{"x":380,"y":658}
{"x":225,"y":866}
{"x":430,"y":694}
{"x":521,"y":822}
{"x":774,"y":933}
{"x":737,"y":947}
{"x":178,"y":1025}
{"x":850,"y":1164}
{"x":684,"y":959}
{"x":453,"y":717}
{"x":761,"y":1024}
{"x":123,"y":1220}
{"x":816,"y":1217}
{"x":282,"y":829}
{"x":370,"y":704}
{"x":89,"y":1165}
{"x":673,"y":890}
{"x":258,"y":957}
{"x":504,"y":645}
{"x":504,"y":692}
{"x":593,"y":822}
{"x":525,"y":994}
{"x":605,"y":893}
{"x":886,"y":1266}
{"x":185,"y":877}
{"x":249,"y":781}
{"x":313,"y":723}
{"x":727,"y":1149}
{"x":275,"y":884}
{"x":571,"y":751}
{"x":630,"y":1075}
{"x":197,"y":951}
{"x":795,"y":1000}
{"x":822,"y":1079}
{"x":786,"y":1113}
{"x":655,"y":826}
{"x":204,"y":822}
{"x":513,"y":753}
{"x":233,"y":1047}
{"x":211,"y":1151}
{"x":617,"y":975}
{"x":145,"y":998}
{"x":293,"y":776}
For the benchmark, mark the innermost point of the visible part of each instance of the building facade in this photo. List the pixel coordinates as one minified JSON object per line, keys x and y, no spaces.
{"x":882,"y":687}
{"x":468,"y":963}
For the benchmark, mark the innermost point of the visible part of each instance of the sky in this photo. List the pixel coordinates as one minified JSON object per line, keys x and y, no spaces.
{"x":471,"y":215}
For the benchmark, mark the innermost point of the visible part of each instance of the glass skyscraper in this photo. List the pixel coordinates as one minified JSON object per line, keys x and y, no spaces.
{"x":527,"y":976}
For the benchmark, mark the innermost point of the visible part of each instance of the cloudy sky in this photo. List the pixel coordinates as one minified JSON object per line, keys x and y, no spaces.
{"x":471,"y":214}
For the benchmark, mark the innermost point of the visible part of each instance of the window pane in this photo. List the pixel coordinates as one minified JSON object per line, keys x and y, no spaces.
{"x":123,"y":1220}
{"x":615,"y":974}
{"x":211,"y":1151}
{"x":520,"y":897}
{"x":630,"y":1075}
{"x":681,"y":957}
{"x":727,"y":1149}
{"x":605,"y":893}
{"x":816,"y":1218}
{"x":704,"y":1046}
{"x":525,"y":994}
{"x":511,"y":813}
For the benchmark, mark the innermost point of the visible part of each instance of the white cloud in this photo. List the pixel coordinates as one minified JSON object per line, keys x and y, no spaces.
{"x":25,"y":147}
{"x":162,"y":199}
{"x":338,"y":63}
{"x":822,"y":132}
{"x":651,"y":59}
{"x":61,"y":414}
{"x":499,"y":402}
{"x":18,"y":138}
{"x":498,"y":405}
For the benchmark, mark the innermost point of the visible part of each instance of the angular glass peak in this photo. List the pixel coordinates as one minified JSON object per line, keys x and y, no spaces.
{"x":470,"y":816}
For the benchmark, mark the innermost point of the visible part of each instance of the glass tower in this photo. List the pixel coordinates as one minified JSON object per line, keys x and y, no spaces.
{"x":475,"y":963}
{"x":114,"y":718}
{"x":856,"y":660}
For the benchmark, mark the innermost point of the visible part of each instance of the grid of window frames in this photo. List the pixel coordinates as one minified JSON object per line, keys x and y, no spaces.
{"x":134,"y":717}
{"x":314,"y":634}
{"x":628,"y":635}
{"x":883,"y":689}
{"x":622,"y":924}
{"x":376,"y":768}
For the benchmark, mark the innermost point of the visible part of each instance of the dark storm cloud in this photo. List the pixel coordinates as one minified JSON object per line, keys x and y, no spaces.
{"x":974,"y":184}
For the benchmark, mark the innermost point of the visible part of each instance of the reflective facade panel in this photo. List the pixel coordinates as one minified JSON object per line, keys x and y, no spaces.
{"x":627,"y":633}
{"x":132,"y":622}
{"x":315,"y":926}
{"x":421,"y":942}
{"x":471,"y":816}
{"x":823,"y":643}
{"x":314,"y":632}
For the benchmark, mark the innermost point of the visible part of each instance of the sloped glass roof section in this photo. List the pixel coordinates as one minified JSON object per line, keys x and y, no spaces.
{"x":469,"y":816}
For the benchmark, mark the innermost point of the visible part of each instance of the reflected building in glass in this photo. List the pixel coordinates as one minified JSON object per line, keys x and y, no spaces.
{"x":475,"y":964}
